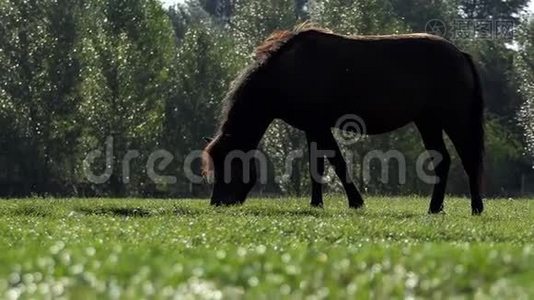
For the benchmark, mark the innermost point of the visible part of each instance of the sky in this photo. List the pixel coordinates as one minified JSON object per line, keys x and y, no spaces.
{"x":171,"y":2}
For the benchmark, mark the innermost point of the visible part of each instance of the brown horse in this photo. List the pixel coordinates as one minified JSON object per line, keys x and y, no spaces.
{"x":310,"y":77}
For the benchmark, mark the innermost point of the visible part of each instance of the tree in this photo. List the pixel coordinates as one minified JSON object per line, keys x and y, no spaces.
{"x":205,"y":65}
{"x":418,"y":14}
{"x":524,"y":65}
{"x":495,"y":58}
{"x":128,"y":48}
{"x":492,"y":9}
{"x":40,"y":75}
{"x":356,"y":17}
{"x":75,"y":73}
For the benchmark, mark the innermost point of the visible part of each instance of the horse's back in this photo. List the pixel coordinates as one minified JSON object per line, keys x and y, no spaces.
{"x":388,"y":81}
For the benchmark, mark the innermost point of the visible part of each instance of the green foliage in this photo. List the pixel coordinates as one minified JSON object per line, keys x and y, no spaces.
{"x":39,"y":78}
{"x":253,"y":21}
{"x":128,"y":54}
{"x":492,"y":9}
{"x":74,"y":73}
{"x":356,"y":17}
{"x":416,"y":14}
{"x":205,"y":65}
{"x":127,"y":65}
{"x":77,"y":73}
{"x":524,"y":66}
{"x":281,"y":142}
{"x":132,"y":249}
{"x":504,"y":159}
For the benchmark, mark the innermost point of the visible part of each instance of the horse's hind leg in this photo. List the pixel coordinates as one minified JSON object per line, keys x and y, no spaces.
{"x":432,"y":135}
{"x":327,"y":141}
{"x":464,"y":139}
{"x":316,"y":172}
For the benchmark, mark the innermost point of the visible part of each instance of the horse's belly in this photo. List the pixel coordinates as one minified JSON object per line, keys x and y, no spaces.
{"x":376,"y":110}
{"x":382,"y":119}
{"x":362,"y":118}
{"x":373,"y":127}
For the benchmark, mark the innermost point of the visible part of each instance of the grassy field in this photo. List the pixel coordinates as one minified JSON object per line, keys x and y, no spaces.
{"x":266,"y":249}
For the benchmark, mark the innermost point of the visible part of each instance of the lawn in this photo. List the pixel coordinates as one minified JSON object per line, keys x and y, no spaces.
{"x":266,"y":249}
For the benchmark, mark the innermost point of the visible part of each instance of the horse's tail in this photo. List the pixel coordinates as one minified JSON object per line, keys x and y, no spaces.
{"x":477,"y":120}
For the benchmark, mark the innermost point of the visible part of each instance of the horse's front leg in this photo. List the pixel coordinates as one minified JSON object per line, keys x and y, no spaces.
{"x":326,"y":140}
{"x":316,"y":172}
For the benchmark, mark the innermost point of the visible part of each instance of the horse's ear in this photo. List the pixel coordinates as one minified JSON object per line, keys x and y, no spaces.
{"x":207,"y":139}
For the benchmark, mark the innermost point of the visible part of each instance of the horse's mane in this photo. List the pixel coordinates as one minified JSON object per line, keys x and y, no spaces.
{"x":281,"y":37}
{"x":278,"y":39}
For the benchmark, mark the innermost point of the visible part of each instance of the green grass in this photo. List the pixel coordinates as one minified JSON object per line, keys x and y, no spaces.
{"x":93,"y":249}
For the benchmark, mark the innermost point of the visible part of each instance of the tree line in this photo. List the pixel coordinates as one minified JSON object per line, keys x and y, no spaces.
{"x":76,"y":75}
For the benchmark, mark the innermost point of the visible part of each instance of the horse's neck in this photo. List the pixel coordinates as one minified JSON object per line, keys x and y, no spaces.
{"x":246,"y":125}
{"x":248,"y":115}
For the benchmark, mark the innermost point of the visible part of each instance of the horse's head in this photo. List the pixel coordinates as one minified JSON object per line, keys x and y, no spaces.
{"x":231,"y":168}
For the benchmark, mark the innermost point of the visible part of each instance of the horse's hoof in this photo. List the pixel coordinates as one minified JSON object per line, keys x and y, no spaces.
{"x":437,"y":212}
{"x":358,"y":205}
{"x":316,"y":205}
{"x":435,"y":209}
{"x":477,"y":211}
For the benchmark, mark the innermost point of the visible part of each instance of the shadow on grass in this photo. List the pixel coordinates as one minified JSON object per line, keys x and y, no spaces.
{"x":136,"y":212}
{"x":264,"y":212}
{"x":187,"y":211}
{"x":398,"y":215}
{"x":318,"y":212}
{"x":33,"y":211}
{"x":116,"y":211}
